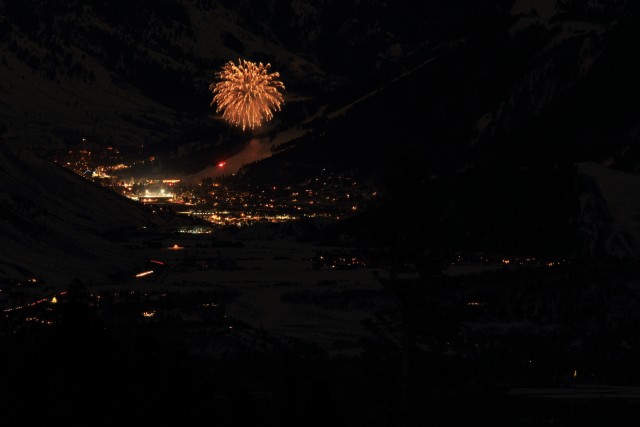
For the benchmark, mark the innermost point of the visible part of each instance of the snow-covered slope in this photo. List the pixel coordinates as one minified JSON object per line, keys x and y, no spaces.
{"x":564,"y":54}
{"x":54,"y":225}
{"x":609,"y":219}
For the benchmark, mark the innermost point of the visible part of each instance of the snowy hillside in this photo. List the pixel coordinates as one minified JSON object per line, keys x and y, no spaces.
{"x":610,"y":211}
{"x":55,"y":225}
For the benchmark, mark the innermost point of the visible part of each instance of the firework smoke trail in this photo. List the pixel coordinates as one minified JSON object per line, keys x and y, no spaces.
{"x":246,"y":93}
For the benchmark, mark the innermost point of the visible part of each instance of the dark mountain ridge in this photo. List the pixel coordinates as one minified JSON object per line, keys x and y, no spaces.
{"x":482,"y":139}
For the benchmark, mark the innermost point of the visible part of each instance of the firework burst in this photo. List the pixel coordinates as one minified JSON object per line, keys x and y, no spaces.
{"x":246,"y":93}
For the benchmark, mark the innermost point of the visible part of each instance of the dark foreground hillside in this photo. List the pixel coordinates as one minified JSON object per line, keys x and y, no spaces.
{"x":527,"y":346}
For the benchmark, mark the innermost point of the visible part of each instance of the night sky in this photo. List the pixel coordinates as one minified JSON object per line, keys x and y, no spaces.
{"x":324,"y":212}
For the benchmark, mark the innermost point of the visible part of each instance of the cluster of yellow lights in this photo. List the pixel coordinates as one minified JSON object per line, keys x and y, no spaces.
{"x":38,"y":320}
{"x":247,"y":94}
{"x":54,"y":300}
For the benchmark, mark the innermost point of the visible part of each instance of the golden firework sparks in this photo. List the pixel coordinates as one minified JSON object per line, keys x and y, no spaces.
{"x":247,"y":94}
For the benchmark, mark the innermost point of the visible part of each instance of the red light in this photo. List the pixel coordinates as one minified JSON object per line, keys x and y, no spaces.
{"x":221,"y":164}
